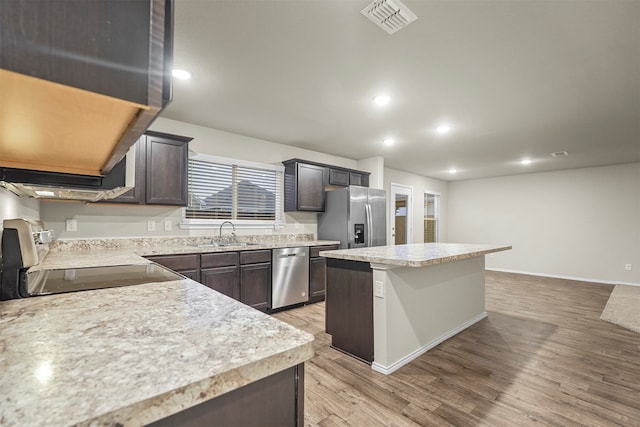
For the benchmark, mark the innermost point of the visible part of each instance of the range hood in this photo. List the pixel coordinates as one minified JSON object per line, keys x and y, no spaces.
{"x":79,"y":88}
{"x":64,"y":186}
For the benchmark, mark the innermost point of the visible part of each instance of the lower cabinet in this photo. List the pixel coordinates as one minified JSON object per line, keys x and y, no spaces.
{"x":244,"y":275}
{"x":277,"y":400}
{"x":255,"y":278}
{"x":255,"y":285}
{"x":318,"y":273}
{"x":222,"y":279}
{"x":187,"y":265}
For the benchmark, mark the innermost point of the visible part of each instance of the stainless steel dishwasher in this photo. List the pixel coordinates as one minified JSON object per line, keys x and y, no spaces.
{"x":290,"y":276}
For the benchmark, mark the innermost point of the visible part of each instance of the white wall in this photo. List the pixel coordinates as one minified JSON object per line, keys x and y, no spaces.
{"x":419,"y":184}
{"x":579,"y":223}
{"x":374,"y":165}
{"x":119,"y":220}
{"x":12,"y":206}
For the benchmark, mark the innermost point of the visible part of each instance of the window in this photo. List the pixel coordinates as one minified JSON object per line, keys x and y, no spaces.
{"x":431,"y":217}
{"x":223,"y":189}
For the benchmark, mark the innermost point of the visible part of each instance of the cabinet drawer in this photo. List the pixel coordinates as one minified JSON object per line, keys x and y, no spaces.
{"x":254,"y":257}
{"x":314,"y":251}
{"x":219,"y":260}
{"x":178,"y":262}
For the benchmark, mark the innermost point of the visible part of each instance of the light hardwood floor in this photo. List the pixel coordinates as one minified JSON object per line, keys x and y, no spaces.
{"x":542,"y":357}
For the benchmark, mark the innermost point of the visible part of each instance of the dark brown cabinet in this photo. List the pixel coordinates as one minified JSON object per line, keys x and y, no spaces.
{"x":222,"y":279}
{"x":277,"y":400}
{"x":161,"y":171}
{"x":305,"y":183}
{"x":255,"y":279}
{"x":304,"y":187}
{"x":318,"y":273}
{"x":243,"y":275}
{"x":101,"y":74}
{"x":357,"y":178}
{"x":338,"y":177}
{"x":349,"y":307}
{"x":187,"y":265}
{"x":220,"y":271}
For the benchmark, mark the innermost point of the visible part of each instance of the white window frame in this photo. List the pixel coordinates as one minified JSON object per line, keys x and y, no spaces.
{"x":191,"y":223}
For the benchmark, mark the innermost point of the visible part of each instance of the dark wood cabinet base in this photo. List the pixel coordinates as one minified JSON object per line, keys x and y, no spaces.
{"x":349,"y":307}
{"x":277,"y":400}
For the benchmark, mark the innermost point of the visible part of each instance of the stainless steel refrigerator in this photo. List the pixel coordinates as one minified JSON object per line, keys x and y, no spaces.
{"x":356,"y":216}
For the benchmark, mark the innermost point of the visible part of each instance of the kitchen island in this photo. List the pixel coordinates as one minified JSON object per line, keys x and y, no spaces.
{"x":138,"y":354}
{"x":387,"y":305}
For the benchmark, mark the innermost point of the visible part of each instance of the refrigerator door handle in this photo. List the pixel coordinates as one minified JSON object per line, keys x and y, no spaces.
{"x":367,"y":209}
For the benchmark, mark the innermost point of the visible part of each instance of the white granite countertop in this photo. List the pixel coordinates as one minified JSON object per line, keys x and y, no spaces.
{"x":415,"y":254}
{"x":109,"y":252}
{"x":132,"y":355}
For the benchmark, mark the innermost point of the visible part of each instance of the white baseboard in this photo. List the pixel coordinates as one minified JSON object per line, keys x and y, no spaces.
{"x":420,"y":351}
{"x":555,"y":276}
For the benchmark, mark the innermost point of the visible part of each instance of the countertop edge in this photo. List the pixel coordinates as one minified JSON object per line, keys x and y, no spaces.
{"x":172,"y":402}
{"x":409,"y":263}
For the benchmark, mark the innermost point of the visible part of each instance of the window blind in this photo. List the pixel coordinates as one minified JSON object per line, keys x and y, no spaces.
{"x":222,"y":189}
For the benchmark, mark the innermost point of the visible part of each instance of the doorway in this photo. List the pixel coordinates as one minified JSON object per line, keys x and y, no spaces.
{"x":401,"y":203}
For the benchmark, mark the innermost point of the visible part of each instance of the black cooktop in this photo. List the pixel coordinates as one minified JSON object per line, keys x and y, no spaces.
{"x":46,"y":282}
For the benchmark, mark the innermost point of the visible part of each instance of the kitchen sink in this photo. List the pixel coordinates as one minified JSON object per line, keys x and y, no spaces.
{"x":227,"y":244}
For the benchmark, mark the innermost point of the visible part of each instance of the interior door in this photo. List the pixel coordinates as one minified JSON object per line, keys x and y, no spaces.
{"x":400,"y":203}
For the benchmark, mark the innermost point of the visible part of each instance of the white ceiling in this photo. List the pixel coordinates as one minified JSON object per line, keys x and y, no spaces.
{"x":515,"y":79}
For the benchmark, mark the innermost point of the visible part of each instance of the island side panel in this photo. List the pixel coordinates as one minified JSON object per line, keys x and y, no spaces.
{"x":349,"y":307}
{"x":423,"y":306}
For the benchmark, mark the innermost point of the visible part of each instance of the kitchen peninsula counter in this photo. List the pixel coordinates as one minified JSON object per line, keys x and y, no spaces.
{"x":133,"y":355}
{"x":387,"y":305}
{"x":147,"y":353}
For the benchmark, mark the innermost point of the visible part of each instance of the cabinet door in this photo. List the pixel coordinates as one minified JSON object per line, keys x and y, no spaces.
{"x":255,"y":285}
{"x":310,"y":187}
{"x":339,"y":177}
{"x":166,"y":171}
{"x":222,"y":279}
{"x":361,"y":179}
{"x":317,"y":279}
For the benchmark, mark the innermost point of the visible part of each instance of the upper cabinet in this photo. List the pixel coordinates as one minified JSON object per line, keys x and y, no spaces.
{"x":305,"y":183}
{"x":161,"y":171}
{"x":85,"y":78}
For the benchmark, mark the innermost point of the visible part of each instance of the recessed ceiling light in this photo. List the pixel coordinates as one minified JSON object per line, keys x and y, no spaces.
{"x":181,"y":74}
{"x":452,"y":171}
{"x":382,"y":99}
{"x":45,"y":193}
{"x":525,"y":161}
{"x":389,"y":141}
{"x":442,"y":129}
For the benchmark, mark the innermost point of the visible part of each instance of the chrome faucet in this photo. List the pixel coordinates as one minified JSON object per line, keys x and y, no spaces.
{"x":232,"y":233}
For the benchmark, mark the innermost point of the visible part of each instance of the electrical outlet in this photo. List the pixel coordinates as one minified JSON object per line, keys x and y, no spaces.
{"x":627,"y":267}
{"x":379,"y":290}
{"x":151,"y":225}
{"x":168,"y":225}
{"x":71,"y":225}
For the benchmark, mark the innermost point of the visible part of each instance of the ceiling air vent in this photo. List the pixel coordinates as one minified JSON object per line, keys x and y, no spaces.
{"x":560,"y":154}
{"x":390,"y":15}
